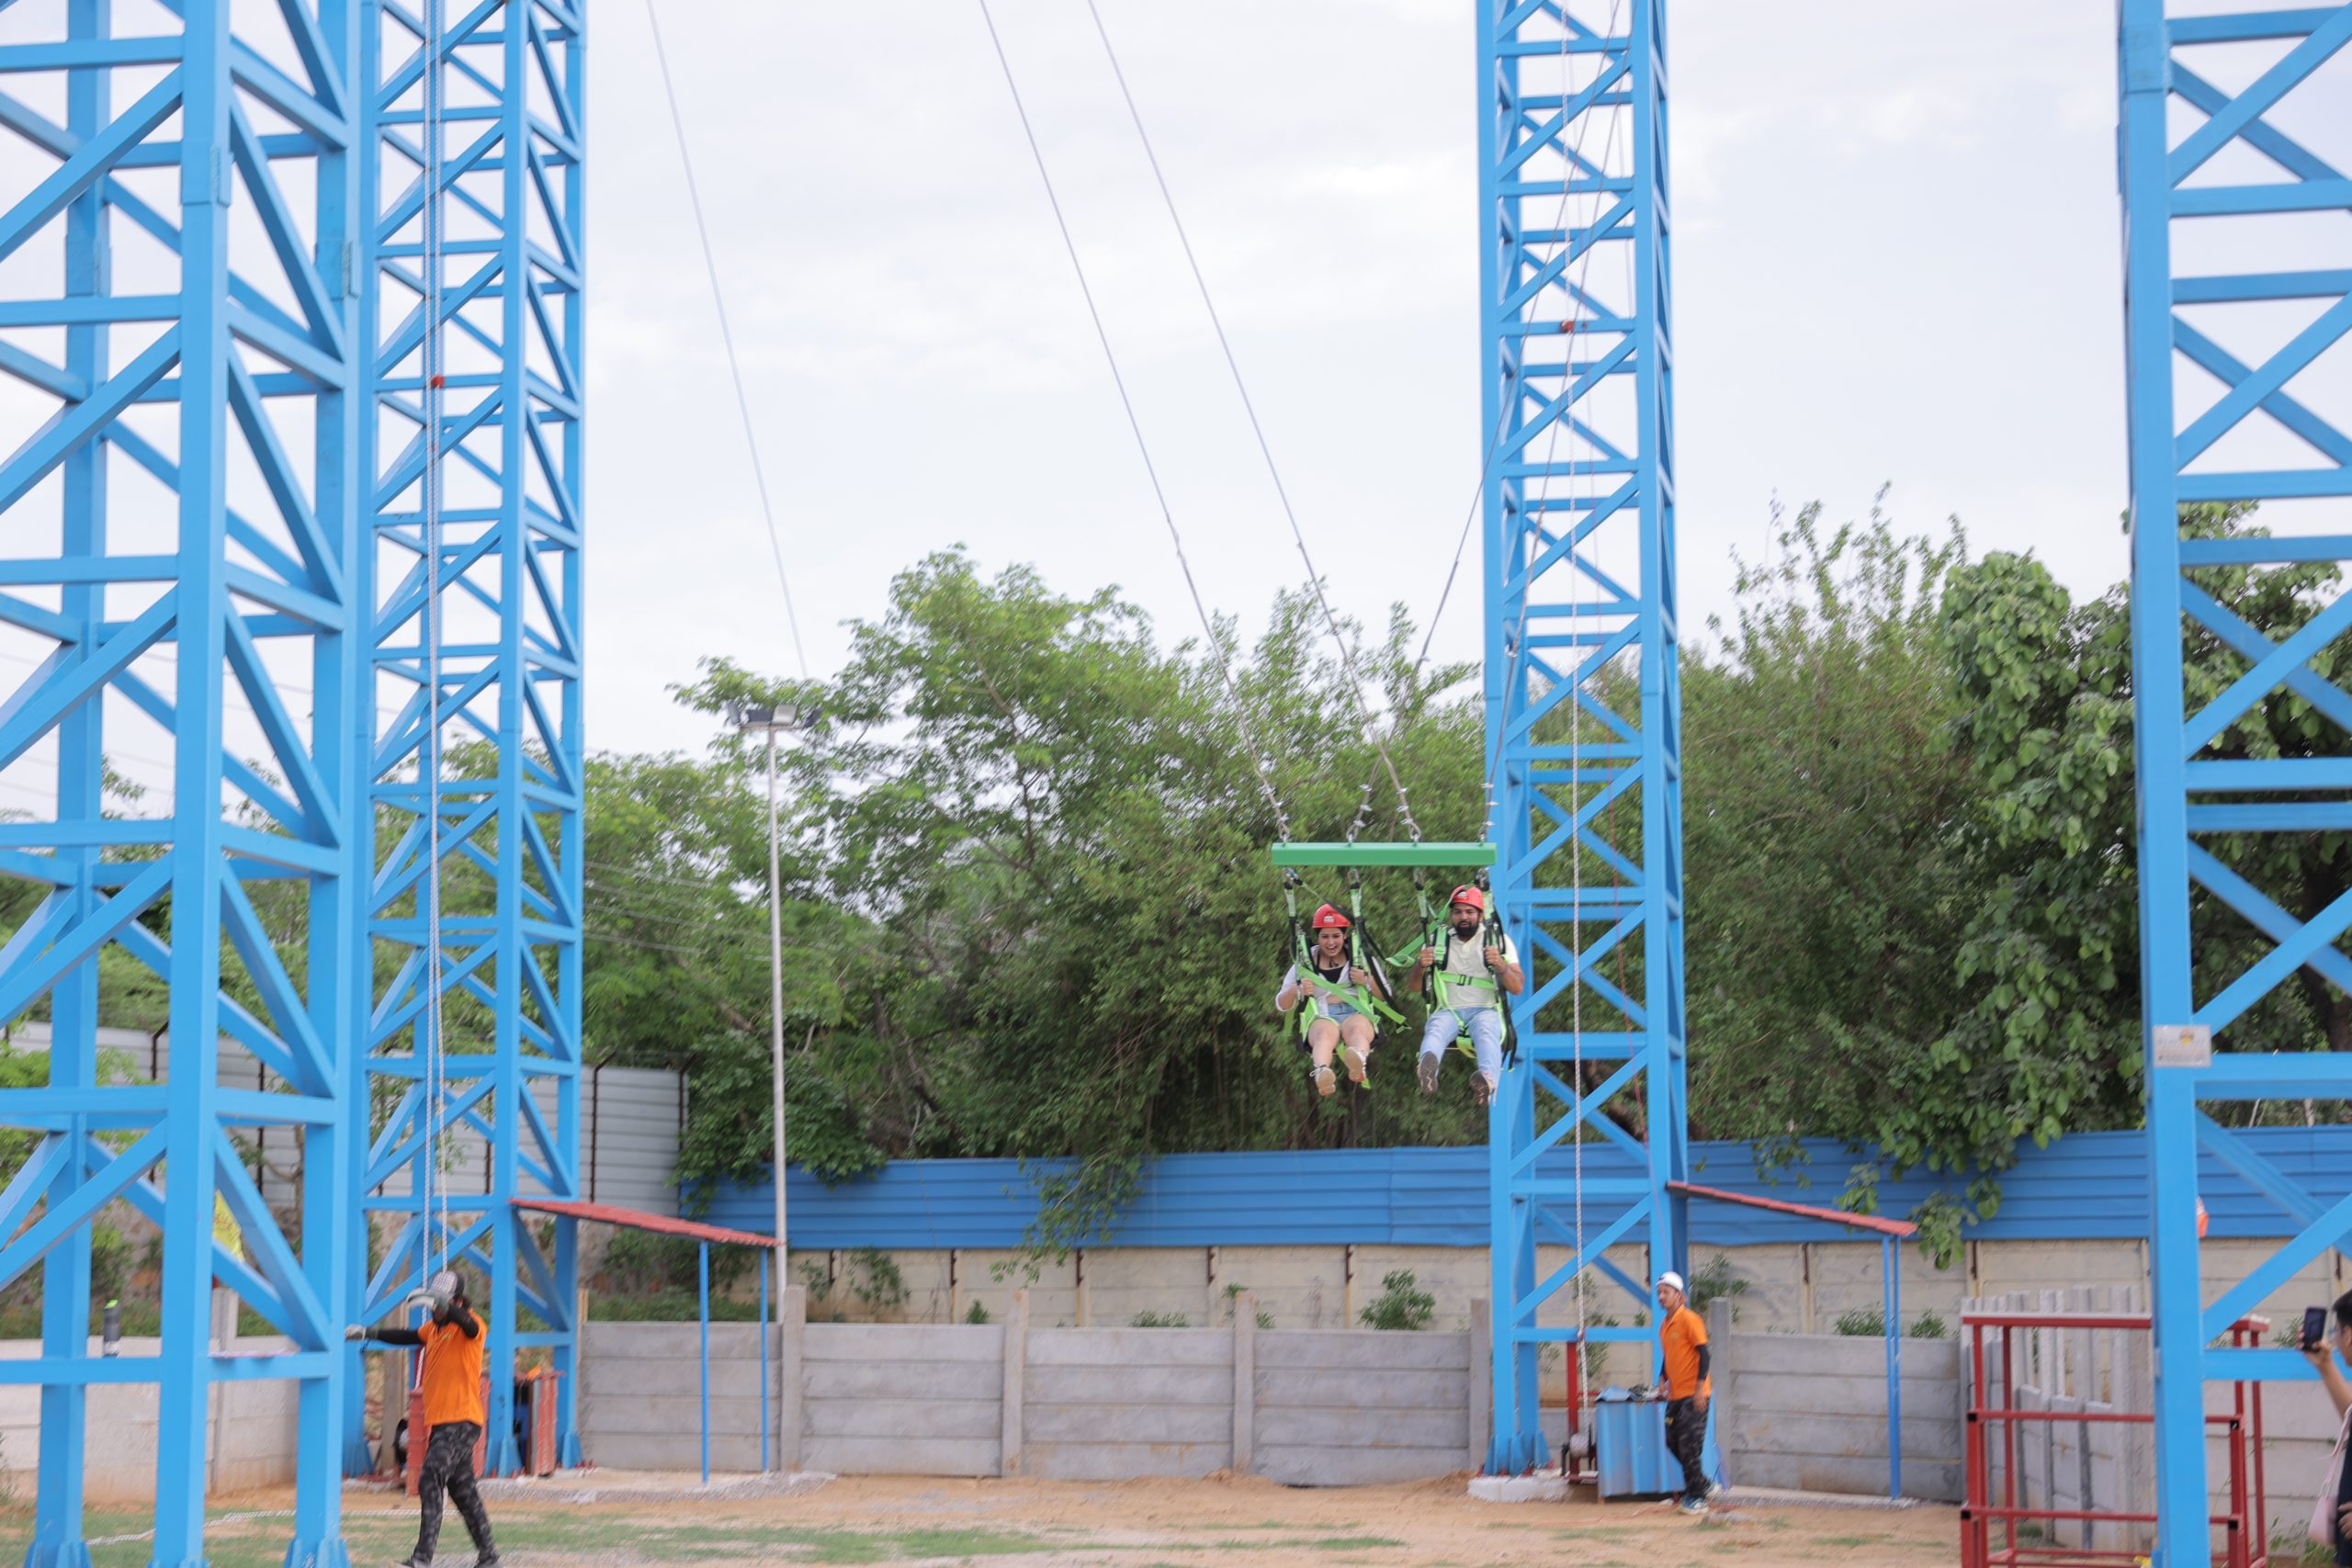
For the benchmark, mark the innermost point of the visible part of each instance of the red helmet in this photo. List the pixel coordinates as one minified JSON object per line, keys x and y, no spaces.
{"x":1326,"y":919}
{"x":1466,"y":894}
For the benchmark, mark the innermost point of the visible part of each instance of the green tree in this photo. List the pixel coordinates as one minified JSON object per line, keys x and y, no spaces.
{"x":1824,"y":879}
{"x":2047,"y":1036}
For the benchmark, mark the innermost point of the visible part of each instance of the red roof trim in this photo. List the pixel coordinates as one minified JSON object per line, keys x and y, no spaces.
{"x":1882,"y":1226}
{"x":605,"y":1214}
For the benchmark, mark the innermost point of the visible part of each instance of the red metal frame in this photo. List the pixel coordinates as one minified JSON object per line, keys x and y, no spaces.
{"x":610,"y":1214}
{"x":2245,"y":1536}
{"x":1878,"y":1224}
{"x":1569,"y":1471}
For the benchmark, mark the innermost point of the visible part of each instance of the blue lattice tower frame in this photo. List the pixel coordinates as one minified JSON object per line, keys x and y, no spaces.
{"x":1583,"y":699}
{"x":2231,"y":399}
{"x":507,"y":196}
{"x":181,"y":532}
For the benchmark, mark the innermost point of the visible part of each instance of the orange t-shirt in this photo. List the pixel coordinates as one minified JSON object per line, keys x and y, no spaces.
{"x":1682,"y":1333}
{"x":452,"y":1376}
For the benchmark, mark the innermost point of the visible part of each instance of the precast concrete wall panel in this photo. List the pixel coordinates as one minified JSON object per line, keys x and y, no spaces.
{"x":1119,"y":1404}
{"x":1356,"y":1408}
{"x":1809,"y":1410}
{"x":641,"y":1400}
{"x":902,"y":1399}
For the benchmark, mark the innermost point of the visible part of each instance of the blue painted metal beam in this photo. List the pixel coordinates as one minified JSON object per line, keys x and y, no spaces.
{"x":249,"y":619}
{"x":1584,"y":750}
{"x":472,"y":317}
{"x":2282,"y":435}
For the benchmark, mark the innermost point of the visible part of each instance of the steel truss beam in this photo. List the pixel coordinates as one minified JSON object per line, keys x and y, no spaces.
{"x":2216,"y":170}
{"x":183,"y":529}
{"x":491,"y":225}
{"x":1583,"y":696}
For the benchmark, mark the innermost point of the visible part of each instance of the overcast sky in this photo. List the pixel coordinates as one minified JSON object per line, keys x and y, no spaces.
{"x":1897,"y":243}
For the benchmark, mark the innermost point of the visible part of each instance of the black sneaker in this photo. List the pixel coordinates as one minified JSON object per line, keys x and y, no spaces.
{"x":487,"y":1560}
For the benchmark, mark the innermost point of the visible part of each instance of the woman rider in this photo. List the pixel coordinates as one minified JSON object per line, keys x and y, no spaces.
{"x":1339,"y":996}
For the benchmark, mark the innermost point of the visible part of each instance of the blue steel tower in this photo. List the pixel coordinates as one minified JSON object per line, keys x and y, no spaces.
{"x":1583,"y":696}
{"x":183,"y":533}
{"x":473,"y":123}
{"x":2224,"y":408}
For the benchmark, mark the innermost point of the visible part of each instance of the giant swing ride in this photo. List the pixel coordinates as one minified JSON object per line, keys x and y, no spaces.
{"x":291,"y":324}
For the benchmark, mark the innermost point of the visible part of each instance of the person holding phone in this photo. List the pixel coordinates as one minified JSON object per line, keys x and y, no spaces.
{"x":2322,"y":1349}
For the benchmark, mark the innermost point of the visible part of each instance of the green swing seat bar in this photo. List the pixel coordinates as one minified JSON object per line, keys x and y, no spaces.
{"x":1409,"y":855}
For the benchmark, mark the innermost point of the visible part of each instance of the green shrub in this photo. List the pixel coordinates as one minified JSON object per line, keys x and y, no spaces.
{"x":1398,"y":1305}
{"x":874,"y":1280}
{"x":1159,"y":1320}
{"x":977,"y":1313}
{"x":668,"y":1306}
{"x":648,"y":1262}
{"x":1712,"y":1280}
{"x":1232,"y":1295}
{"x":1869,"y":1322}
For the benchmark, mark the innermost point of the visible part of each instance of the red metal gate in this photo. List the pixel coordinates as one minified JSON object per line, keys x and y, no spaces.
{"x":1993,"y":1525}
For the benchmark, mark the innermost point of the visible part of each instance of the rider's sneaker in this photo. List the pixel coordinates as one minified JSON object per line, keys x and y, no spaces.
{"x":1325,"y":1082}
{"x":1357,"y":1061}
{"x":1427,"y":1072}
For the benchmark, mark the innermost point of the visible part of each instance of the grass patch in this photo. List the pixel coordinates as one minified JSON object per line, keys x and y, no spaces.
{"x":1355,"y":1543}
{"x":1846,"y":1540}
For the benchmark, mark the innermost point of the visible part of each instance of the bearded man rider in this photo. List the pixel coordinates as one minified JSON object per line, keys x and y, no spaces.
{"x":1471,"y":974}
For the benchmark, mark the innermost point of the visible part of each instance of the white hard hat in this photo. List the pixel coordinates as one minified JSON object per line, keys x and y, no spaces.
{"x":1673,"y":1278}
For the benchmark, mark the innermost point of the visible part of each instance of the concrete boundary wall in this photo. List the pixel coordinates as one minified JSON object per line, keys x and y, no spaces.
{"x":640,"y":1394}
{"x":1302,"y":1408}
{"x":253,"y":1435}
{"x":903,"y":1399}
{"x":1794,"y":1288}
{"x":1809,"y":1410}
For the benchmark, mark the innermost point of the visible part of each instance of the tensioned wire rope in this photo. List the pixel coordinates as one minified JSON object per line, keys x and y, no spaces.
{"x":1580,"y":297}
{"x":1240,"y":710}
{"x":432,"y":1020}
{"x":727,"y":336}
{"x":1257,"y":429}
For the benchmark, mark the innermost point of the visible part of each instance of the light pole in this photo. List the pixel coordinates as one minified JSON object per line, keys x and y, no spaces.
{"x":772,"y":721}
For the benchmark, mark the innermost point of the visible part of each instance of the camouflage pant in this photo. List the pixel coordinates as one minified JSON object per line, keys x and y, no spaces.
{"x":449,"y":1465}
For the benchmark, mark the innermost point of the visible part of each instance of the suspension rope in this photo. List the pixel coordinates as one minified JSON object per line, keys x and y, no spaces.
{"x":726,"y":338}
{"x":1263,"y":764}
{"x":434,"y":1241}
{"x":1248,"y":407}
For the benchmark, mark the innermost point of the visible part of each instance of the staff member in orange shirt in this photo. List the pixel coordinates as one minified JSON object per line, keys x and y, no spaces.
{"x":1683,"y":1334}
{"x":452,"y":1381}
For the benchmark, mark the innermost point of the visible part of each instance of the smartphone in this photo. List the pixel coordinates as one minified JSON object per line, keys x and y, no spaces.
{"x":2315,"y":1326}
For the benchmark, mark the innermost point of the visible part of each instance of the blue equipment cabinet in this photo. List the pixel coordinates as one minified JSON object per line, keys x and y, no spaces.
{"x":1629,"y":1447}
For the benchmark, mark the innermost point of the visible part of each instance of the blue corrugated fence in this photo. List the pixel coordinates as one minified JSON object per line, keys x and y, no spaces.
{"x":2091,"y":1186}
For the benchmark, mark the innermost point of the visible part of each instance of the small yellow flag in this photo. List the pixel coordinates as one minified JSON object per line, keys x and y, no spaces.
{"x":224,"y":1229}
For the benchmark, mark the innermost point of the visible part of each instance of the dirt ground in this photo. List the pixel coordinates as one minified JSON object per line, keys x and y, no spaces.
{"x":1153,"y":1524}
